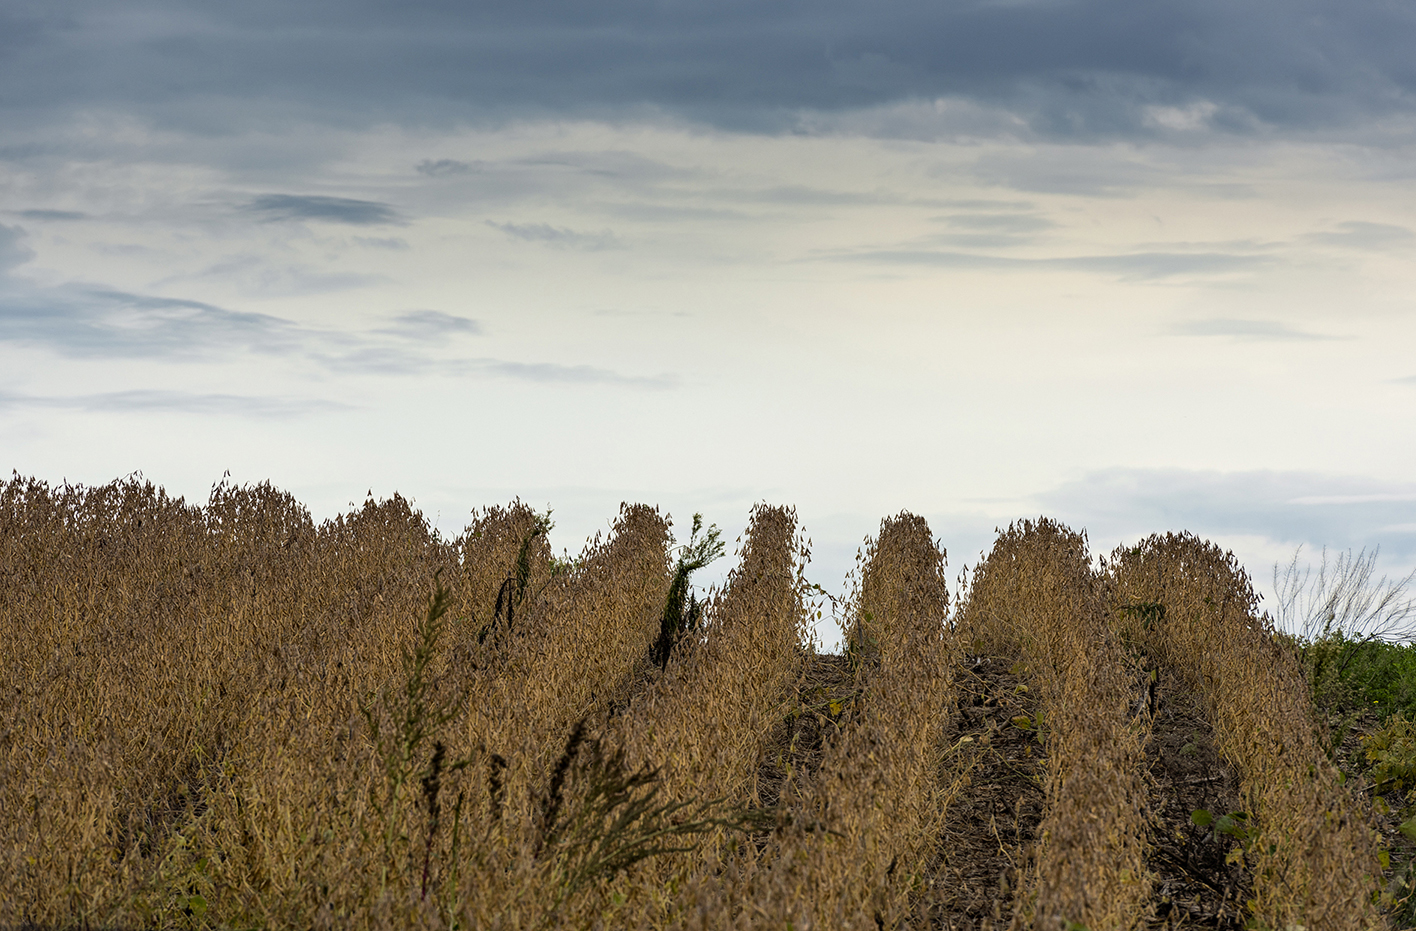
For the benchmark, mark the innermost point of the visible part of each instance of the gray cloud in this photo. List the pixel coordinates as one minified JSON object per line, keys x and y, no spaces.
{"x":557,"y":236}
{"x":1246,"y":329}
{"x":443,"y":167}
{"x":13,"y":250}
{"x":78,"y":321}
{"x":59,"y":215}
{"x":1078,"y":68}
{"x":429,"y":325}
{"x":174,"y":402}
{"x":382,"y":242}
{"x":981,"y":240}
{"x":801,"y":195}
{"x":552,"y":373}
{"x":325,"y":209}
{"x":1288,"y":508}
{"x":1139,"y":266}
{"x":89,"y":322}
{"x":1357,"y":234}
{"x":255,"y":273}
{"x":1000,"y":222}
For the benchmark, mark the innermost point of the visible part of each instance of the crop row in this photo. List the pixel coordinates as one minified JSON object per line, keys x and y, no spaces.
{"x":227,"y":716}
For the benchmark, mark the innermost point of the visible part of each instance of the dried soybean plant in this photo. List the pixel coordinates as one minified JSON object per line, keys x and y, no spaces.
{"x":181,"y":739}
{"x":862,"y":828}
{"x":578,"y":648}
{"x":705,"y":725}
{"x":1312,"y":855}
{"x":1036,"y":594}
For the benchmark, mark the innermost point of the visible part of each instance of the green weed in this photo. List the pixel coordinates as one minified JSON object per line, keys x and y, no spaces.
{"x":682,"y":612}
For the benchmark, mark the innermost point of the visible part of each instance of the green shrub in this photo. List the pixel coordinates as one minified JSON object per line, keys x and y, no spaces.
{"x":1392,"y":753}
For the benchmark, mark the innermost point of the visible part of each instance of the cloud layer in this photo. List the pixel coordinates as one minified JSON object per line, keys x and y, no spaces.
{"x":1064,"y":68}
{"x":1286,"y":507}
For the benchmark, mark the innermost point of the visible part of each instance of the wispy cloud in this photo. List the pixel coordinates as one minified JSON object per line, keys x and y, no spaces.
{"x":442,"y":167}
{"x":174,"y":402}
{"x":1287,"y":508}
{"x":430,"y":325}
{"x":275,"y":207}
{"x":256,"y":273}
{"x":57,"y":215}
{"x":396,"y":243}
{"x":1357,"y":234}
{"x":999,"y":222}
{"x":95,"y":322}
{"x":552,"y":373}
{"x":90,"y":322}
{"x":13,"y":250}
{"x":1136,"y":266}
{"x":557,"y":236}
{"x":1237,"y":328}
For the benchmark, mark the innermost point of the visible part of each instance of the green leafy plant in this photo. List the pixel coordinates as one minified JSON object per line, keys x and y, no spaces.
{"x":1149,"y":613}
{"x":1235,"y":825}
{"x":1391,"y":752}
{"x":682,"y":612}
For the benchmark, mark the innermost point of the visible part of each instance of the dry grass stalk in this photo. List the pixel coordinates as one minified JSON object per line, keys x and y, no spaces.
{"x":1037,"y":595}
{"x":1192,"y":606}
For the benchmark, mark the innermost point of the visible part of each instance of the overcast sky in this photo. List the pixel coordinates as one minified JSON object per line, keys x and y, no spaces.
{"x":1138,"y":266}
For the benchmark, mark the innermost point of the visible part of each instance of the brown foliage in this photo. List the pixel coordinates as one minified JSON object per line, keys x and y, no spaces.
{"x":227,"y":715}
{"x":1036,"y":594}
{"x":1191,"y":605}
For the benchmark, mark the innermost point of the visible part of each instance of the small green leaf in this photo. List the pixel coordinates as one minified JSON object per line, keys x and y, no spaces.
{"x":1408,"y":828}
{"x":1201,"y":818}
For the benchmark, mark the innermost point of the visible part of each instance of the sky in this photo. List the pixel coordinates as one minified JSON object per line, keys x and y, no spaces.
{"x":1139,"y":267}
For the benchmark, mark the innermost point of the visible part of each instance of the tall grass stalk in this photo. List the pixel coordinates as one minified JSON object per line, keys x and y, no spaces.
{"x":1344,"y":600}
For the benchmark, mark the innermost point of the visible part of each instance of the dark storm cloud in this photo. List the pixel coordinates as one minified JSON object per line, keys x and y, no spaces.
{"x":1065,"y":67}
{"x":172,"y":402}
{"x":326,"y":209}
{"x":1237,"y":328}
{"x":1289,"y":508}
